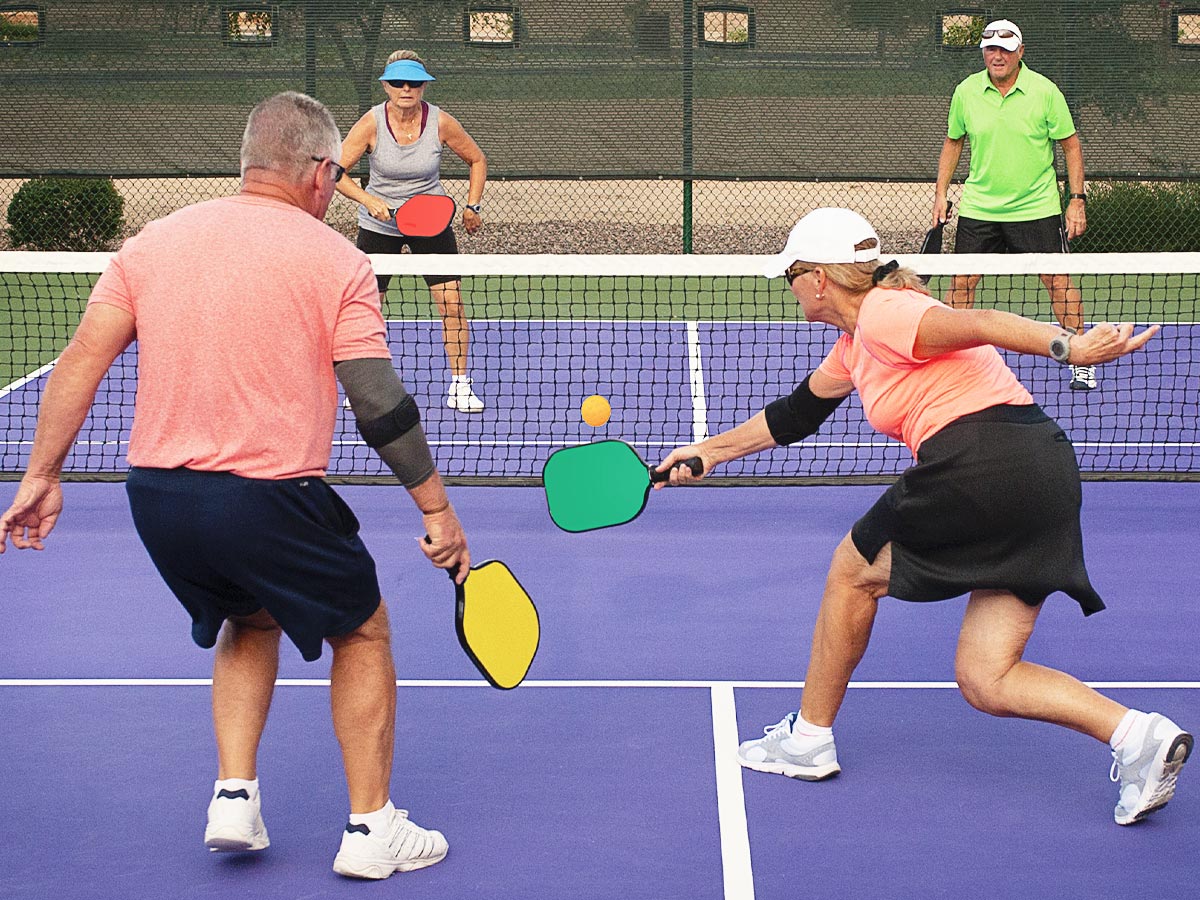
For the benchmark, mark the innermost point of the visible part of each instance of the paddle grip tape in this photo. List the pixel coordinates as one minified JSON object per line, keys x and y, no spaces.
{"x":799,"y":414}
{"x":695,"y":464}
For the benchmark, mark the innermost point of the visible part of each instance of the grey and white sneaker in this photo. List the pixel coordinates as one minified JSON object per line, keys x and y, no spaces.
{"x":1083,"y":378}
{"x":1147,"y":775}
{"x":402,"y":847}
{"x":782,"y":753}
{"x":235,"y":821}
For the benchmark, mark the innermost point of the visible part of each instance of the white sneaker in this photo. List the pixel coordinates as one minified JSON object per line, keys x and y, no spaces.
{"x":405,"y":846}
{"x":1083,"y":378}
{"x":235,"y":821}
{"x":462,"y":398}
{"x":796,"y":756}
{"x":1147,"y":774}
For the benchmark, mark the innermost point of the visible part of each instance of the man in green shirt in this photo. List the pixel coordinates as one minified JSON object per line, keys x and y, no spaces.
{"x":1012,"y":116}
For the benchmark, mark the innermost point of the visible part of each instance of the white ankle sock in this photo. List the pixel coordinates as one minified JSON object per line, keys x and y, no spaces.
{"x":1130,"y":732}
{"x":802,"y":728}
{"x":376,"y":821}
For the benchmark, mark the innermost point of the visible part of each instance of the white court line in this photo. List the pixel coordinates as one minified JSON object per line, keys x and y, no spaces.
{"x":736,"y":869}
{"x":32,"y":376}
{"x":696,"y":375}
{"x":564,"y":683}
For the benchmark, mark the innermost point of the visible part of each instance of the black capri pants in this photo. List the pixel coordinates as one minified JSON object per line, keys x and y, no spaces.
{"x":374,"y":242}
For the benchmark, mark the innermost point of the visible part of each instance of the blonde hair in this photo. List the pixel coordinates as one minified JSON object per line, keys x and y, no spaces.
{"x":858,"y":278}
{"x":404,"y":54}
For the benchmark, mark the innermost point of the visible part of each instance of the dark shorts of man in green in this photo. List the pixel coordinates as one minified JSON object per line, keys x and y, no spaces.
{"x":1035,"y":236}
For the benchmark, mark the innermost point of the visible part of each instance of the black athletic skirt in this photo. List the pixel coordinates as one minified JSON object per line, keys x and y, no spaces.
{"x":993,"y":503}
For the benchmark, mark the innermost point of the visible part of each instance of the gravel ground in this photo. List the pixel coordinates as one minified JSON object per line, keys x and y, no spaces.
{"x":608,"y":217}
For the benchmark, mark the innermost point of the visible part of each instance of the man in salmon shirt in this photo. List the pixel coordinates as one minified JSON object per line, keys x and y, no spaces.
{"x":991,"y":507}
{"x":247,"y":311}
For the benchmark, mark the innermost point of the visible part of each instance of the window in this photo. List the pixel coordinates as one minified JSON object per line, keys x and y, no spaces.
{"x":1187,"y":28}
{"x":494,"y":26}
{"x":961,"y":29}
{"x":252,"y":25}
{"x":20,"y":25}
{"x":726,"y":26}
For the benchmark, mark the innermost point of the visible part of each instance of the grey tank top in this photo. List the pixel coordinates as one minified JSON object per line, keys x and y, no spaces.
{"x":399,"y":172}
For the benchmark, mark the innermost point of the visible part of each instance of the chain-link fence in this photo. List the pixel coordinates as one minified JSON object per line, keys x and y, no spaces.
{"x":609,"y":125}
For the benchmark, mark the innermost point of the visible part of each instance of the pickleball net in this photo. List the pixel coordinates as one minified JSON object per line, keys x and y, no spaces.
{"x":681,"y":346}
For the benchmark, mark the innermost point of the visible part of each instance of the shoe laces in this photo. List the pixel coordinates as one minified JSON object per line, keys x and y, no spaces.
{"x":1114,"y":774}
{"x":784,"y":724}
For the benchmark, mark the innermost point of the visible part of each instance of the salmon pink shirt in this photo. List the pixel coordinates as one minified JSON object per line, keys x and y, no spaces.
{"x":242,"y":305}
{"x":910,"y":399}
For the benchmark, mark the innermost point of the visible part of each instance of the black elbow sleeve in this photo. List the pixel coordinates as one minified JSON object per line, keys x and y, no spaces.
{"x":403,"y":418}
{"x":799,"y":414}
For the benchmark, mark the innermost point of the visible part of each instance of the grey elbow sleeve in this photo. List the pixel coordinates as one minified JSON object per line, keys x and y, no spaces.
{"x":388,"y":417}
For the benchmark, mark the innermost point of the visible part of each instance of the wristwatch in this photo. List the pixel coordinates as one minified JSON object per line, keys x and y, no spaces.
{"x":473,"y":207}
{"x":1060,"y":348}
{"x":1082,"y":197}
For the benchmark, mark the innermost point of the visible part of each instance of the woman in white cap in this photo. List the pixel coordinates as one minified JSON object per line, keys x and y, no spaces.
{"x":990,"y":508}
{"x":404,"y":137}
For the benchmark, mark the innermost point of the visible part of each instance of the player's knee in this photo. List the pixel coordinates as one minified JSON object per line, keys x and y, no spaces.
{"x":983,"y":687}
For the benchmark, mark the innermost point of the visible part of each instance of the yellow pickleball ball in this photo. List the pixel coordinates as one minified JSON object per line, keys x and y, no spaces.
{"x":595,"y":410}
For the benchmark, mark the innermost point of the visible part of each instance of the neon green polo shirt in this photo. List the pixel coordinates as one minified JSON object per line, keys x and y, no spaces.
{"x":1012,"y":176}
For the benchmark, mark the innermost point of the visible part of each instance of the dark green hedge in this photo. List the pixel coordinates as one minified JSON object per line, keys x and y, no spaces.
{"x":1134,"y":217}
{"x":66,"y":214}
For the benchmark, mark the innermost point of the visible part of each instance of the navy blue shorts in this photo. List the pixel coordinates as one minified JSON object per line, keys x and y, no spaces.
{"x":230,"y":546}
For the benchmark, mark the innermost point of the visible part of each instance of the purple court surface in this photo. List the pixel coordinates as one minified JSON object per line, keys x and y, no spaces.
{"x":610,"y":773}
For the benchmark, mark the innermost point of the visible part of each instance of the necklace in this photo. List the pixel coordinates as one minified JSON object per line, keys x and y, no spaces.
{"x":407,"y":129}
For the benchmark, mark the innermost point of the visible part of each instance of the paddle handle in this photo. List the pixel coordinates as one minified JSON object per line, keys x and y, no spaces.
{"x":452,"y":572}
{"x":695,"y":464}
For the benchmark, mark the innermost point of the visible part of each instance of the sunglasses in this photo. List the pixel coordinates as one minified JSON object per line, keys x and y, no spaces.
{"x":999,"y":32}
{"x":407,"y":84}
{"x":338,"y":169}
{"x":795,"y":272}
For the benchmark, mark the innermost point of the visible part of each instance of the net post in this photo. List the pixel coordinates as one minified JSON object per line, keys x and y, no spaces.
{"x":688,"y":93}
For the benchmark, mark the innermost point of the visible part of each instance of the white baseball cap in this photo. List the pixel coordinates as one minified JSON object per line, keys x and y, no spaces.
{"x":1001,"y":33}
{"x":826,"y":235}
